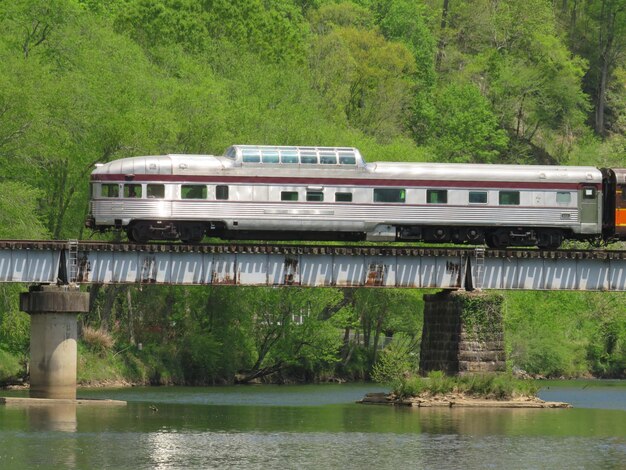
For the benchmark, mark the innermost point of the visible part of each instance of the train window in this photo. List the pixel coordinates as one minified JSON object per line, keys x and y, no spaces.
{"x":132,"y":190}
{"x":589,"y":193}
{"x":347,"y":159}
{"x":328,"y":159}
{"x":343,"y":197}
{"x":437,"y":196}
{"x":270,"y":156}
{"x":110,"y":190}
{"x":289,"y":195}
{"x":221,"y":192}
{"x":478,"y":197}
{"x":563,"y":197}
{"x":193,"y":191}
{"x":509,"y":198}
{"x":308,"y":157}
{"x":231,"y":153}
{"x":623,"y":192}
{"x":251,"y":156}
{"x":289,"y":156}
{"x":314,"y":196}
{"x":156,"y":191}
{"x":389,"y":195}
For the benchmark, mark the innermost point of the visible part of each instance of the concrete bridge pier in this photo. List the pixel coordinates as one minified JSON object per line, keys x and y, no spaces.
{"x":53,"y":336}
{"x":463,"y":333}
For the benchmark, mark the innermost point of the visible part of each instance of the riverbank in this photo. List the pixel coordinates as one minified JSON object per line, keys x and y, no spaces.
{"x":458,"y":400}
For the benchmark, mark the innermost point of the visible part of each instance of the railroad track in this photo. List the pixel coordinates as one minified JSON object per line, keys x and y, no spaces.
{"x":293,"y":249}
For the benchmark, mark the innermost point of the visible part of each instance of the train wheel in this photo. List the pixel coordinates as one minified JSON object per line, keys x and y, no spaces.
{"x":139,"y":232}
{"x":191,"y":233}
{"x":437,"y":234}
{"x":473,"y":235}
{"x":496,"y":240}
{"x":549,"y":239}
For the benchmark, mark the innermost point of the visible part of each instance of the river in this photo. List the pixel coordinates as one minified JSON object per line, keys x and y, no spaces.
{"x":313,"y":426}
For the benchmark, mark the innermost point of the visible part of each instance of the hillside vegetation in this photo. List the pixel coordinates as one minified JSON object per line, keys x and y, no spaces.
{"x":86,"y":81}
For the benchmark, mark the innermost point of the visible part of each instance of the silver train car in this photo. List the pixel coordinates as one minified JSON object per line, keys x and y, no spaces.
{"x":331,"y":193}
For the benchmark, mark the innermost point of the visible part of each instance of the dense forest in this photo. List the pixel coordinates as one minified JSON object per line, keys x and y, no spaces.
{"x":507,"y":81}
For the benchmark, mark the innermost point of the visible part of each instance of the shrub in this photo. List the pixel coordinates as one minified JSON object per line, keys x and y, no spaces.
{"x":14,"y":327}
{"x":499,"y":386}
{"x":439,"y":383}
{"x":10,"y":367}
{"x":201,"y":356}
{"x":99,"y":341}
{"x":397,"y":360}
{"x":411,"y":387}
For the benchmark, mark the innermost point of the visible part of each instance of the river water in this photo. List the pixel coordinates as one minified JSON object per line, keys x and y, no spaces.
{"x":313,"y":426}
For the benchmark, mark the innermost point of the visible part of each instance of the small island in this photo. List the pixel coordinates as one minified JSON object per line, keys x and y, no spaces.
{"x":466,"y":391}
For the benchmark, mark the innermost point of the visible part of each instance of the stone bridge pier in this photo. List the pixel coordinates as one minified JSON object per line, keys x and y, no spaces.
{"x":463,"y":333}
{"x":53,"y":338}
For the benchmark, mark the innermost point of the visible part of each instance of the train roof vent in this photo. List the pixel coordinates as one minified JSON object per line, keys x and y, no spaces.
{"x":344,"y":157}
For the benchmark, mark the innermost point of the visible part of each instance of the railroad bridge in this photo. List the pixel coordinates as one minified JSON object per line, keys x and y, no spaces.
{"x":63,"y":262}
{"x":55,"y":269}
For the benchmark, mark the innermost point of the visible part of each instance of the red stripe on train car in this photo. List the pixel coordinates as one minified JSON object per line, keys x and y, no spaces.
{"x":298,"y":181}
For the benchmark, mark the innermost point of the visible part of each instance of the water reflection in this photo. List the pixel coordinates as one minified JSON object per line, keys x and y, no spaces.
{"x":268,"y":428}
{"x":58,"y":417}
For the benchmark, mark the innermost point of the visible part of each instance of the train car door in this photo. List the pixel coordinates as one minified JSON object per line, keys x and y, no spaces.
{"x":620,"y":204}
{"x":589,"y":210}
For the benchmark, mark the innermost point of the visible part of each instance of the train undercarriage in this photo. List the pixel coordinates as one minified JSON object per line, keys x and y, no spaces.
{"x":493,"y":237}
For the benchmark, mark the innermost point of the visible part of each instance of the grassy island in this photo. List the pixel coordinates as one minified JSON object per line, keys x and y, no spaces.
{"x":475,"y":390}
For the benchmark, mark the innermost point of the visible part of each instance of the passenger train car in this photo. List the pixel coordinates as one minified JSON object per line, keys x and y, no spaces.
{"x":331,"y":193}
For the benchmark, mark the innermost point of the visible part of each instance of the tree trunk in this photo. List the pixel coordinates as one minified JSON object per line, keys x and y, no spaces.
{"x":601,"y":99}
{"x":131,"y":318}
{"x":107,"y":309}
{"x":379,"y":327}
{"x":573,"y":18}
{"x":442,"y":42}
{"x":605,"y":46}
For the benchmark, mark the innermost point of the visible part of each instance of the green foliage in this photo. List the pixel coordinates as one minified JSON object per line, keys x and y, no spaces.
{"x":155,"y":364}
{"x":566,"y":333}
{"x":497,"y":386}
{"x":412,"y":386}
{"x":201,"y":358}
{"x":274,"y":30}
{"x":11,"y":367}
{"x":513,"y":52}
{"x":14,"y":325}
{"x":398,"y":359}
{"x":482,"y":316}
{"x":374,"y":92}
{"x":19,"y":218}
{"x":89,"y":81}
{"x":95,"y":368}
{"x":465,"y":129}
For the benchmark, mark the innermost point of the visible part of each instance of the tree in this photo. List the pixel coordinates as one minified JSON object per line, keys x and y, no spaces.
{"x":19,"y":219}
{"x":374,"y":93}
{"x":465,"y":130}
{"x":597,"y":30}
{"x":378,"y":312}
{"x":513,"y":53}
{"x":410,"y":23}
{"x":288,"y":331}
{"x":273,"y":30}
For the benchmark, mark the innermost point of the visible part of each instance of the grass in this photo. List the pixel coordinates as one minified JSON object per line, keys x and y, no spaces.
{"x":153,"y":365}
{"x":98,"y":340}
{"x":497,"y":386}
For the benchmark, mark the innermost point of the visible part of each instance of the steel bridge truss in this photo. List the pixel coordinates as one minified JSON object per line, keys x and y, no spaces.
{"x":311,"y":266}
